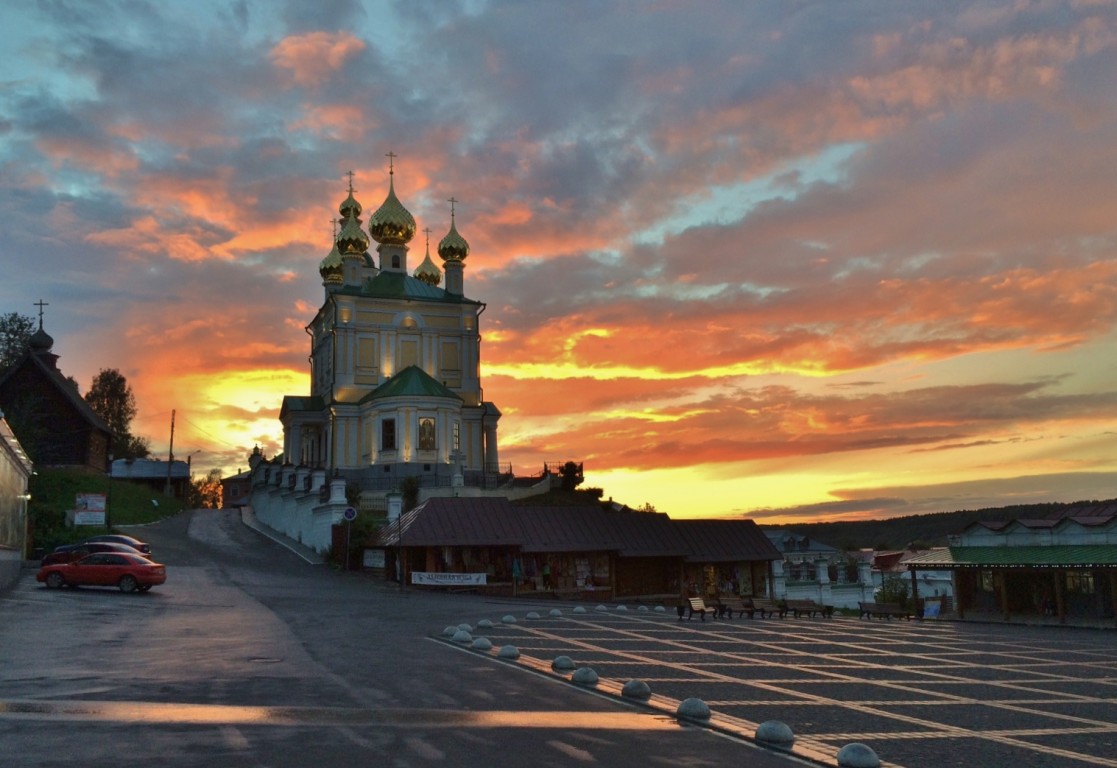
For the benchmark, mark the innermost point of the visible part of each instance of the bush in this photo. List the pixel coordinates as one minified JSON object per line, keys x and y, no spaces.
{"x":894,"y":590}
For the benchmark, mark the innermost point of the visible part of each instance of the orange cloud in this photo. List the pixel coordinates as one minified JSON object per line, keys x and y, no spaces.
{"x":316,"y":56}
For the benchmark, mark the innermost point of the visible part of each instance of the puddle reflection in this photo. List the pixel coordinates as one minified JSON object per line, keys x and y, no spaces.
{"x":203,"y":714}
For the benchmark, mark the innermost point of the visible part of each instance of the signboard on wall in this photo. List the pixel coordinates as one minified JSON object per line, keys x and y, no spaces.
{"x":89,"y":509}
{"x":448,"y":579}
{"x":373,"y":558}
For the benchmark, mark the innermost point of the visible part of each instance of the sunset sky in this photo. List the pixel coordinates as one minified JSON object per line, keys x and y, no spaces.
{"x":787,"y":260}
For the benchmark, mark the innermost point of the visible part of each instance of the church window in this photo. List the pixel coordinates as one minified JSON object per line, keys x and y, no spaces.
{"x":457,"y":437}
{"x":395,"y":262}
{"x":388,"y":435}
{"x":426,"y":434}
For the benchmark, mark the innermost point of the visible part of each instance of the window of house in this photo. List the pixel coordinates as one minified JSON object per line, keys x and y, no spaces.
{"x":388,"y":435}
{"x":1080,"y":582}
{"x":457,"y":437}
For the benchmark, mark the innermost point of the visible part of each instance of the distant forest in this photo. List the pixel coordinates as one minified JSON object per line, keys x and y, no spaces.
{"x":918,"y":531}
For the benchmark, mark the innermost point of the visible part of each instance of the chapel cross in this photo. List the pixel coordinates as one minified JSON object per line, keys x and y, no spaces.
{"x":40,"y":304}
{"x":391,"y":161}
{"x":350,"y":175}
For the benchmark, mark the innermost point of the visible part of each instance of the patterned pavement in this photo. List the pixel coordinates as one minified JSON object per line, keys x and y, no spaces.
{"x":918,"y":693}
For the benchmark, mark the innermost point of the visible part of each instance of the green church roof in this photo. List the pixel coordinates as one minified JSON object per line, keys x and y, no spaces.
{"x":397,"y":285}
{"x":412,"y":381}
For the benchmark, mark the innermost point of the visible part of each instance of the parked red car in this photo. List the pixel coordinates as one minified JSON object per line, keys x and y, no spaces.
{"x":120,"y":538}
{"x":105,"y":569}
{"x":70,"y":552}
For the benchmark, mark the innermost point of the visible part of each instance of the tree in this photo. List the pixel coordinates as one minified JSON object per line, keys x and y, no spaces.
{"x":111,"y":398}
{"x":206,"y":491}
{"x":15,"y":331}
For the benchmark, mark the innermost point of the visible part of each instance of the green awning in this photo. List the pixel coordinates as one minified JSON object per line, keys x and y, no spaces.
{"x":1056,"y":556}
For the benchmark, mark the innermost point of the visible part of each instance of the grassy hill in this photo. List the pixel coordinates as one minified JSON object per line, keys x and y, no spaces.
{"x":53,"y":492}
{"x":930,"y":530}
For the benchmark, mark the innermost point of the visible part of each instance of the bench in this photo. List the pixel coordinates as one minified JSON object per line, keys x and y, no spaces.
{"x":768,"y":608}
{"x":882,"y":611}
{"x":809,"y":608}
{"x":697,"y":605}
{"x":727,"y":606}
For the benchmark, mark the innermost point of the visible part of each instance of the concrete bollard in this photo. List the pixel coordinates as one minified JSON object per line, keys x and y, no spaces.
{"x":773,"y":733}
{"x":857,"y":755}
{"x":584,"y":676}
{"x":562,"y":664}
{"x":508,"y":652}
{"x":693,"y":709}
{"x":482,"y":644}
{"x":636,"y":689}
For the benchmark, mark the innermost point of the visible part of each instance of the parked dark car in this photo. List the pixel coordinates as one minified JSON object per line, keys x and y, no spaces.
{"x":70,"y":552}
{"x":105,"y":569}
{"x":120,"y":538}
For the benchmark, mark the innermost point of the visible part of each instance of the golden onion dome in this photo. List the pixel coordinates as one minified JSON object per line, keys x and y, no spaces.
{"x":331,"y":268}
{"x":349,"y":207}
{"x":352,"y":239}
{"x":427,"y":271}
{"x":392,"y":223}
{"x":453,"y":247}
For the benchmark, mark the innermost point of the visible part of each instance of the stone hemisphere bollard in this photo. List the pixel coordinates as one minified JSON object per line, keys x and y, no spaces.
{"x":554,"y":613}
{"x":461,"y":636}
{"x":579,"y":609}
{"x":643,"y":608}
{"x":532,"y":615}
{"x":508,"y":652}
{"x":693,"y":709}
{"x":660,"y":609}
{"x":601,"y":608}
{"x":636,"y":689}
{"x":857,"y":755}
{"x":773,"y":733}
{"x":482,"y":644}
{"x":485,"y":624}
{"x":465,"y":627}
{"x":584,"y":676}
{"x":449,"y":631}
{"x":562,"y":664}
{"x":509,"y":619}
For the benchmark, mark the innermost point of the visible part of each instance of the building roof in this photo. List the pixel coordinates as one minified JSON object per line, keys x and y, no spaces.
{"x":715,"y":541}
{"x":61,"y":383}
{"x":302,"y":403}
{"x":148,"y":469}
{"x":1083,"y":556}
{"x":397,"y":285}
{"x":493,"y":521}
{"x":412,"y":381}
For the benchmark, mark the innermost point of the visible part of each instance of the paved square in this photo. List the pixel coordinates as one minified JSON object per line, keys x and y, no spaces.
{"x":918,"y":693}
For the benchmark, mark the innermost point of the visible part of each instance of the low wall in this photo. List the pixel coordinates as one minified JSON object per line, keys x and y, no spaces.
{"x":11,"y":561}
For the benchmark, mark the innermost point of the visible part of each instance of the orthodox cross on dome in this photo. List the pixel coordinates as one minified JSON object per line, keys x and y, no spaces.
{"x":333,"y":226}
{"x":350,"y":175}
{"x":427,"y":232}
{"x":40,"y":304}
{"x":391,"y":162}
{"x":453,"y":201}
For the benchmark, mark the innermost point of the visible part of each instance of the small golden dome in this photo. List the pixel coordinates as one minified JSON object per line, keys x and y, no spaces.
{"x":453,"y":247}
{"x":331,"y":268}
{"x":392,"y":223}
{"x":427,"y":271}
{"x":352,"y":239}
{"x":349,"y":207}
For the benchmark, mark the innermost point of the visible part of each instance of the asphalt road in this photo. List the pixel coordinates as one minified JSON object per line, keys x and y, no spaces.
{"x":248,"y":656}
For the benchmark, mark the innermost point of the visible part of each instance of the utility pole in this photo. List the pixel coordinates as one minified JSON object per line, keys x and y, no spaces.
{"x":168,"y":491}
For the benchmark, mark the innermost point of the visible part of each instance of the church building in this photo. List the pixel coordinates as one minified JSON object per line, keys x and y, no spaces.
{"x":394,"y":361}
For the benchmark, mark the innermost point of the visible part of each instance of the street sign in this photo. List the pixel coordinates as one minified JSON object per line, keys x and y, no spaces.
{"x":349,"y":514}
